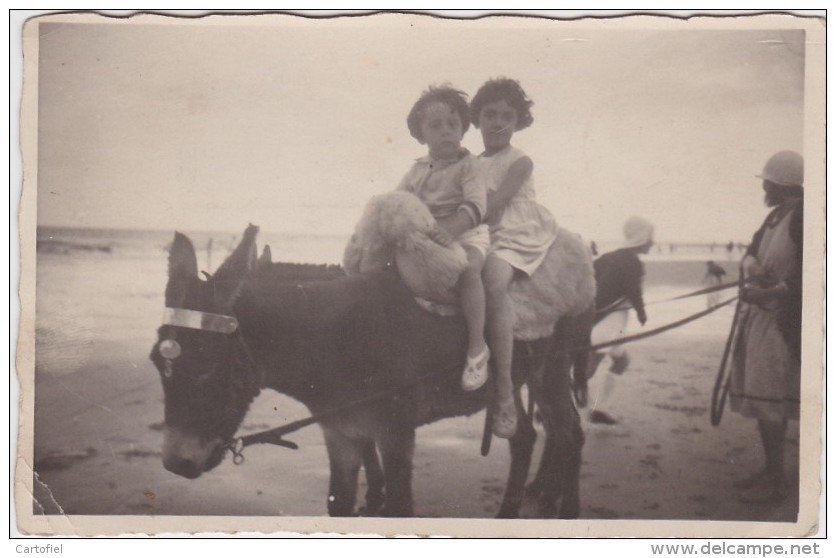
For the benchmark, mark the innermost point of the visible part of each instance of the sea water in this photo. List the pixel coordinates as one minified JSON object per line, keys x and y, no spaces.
{"x":211,"y":247}
{"x":107,"y":285}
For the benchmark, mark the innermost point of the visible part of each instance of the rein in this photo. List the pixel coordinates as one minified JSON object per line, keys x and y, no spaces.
{"x":652,"y":332}
{"x":274,"y":435}
{"x":617,"y":305}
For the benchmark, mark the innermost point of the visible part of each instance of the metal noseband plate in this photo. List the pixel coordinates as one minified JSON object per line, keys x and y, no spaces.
{"x":204,"y":321}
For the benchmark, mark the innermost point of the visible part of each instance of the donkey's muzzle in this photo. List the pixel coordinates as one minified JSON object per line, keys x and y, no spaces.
{"x":189,"y":455}
{"x":183,"y":466}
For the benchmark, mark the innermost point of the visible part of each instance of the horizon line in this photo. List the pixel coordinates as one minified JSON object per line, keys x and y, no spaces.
{"x":688,"y":242}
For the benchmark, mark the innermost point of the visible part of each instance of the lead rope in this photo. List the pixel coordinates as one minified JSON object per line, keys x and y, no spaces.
{"x":274,"y":436}
{"x":617,"y":304}
{"x":723,"y":381}
{"x":649,"y":333}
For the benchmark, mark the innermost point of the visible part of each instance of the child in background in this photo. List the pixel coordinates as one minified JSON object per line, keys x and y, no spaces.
{"x":618,"y":276}
{"x":448,"y":181}
{"x":714,"y":276}
{"x":521,"y":229}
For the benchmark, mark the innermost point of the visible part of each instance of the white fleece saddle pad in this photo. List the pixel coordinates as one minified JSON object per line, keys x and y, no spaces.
{"x":563,"y":285}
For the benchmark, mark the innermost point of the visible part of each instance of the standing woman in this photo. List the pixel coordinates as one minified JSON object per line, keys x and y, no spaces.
{"x":766,"y":373}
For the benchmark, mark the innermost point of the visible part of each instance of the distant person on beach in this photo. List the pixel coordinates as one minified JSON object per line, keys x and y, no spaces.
{"x":618,"y":275}
{"x":448,"y":180}
{"x":714,"y":276}
{"x":521,"y":229}
{"x":766,"y":359}
{"x":714,"y":271}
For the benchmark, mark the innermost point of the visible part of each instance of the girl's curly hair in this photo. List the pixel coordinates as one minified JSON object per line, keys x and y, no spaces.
{"x":503,"y":89}
{"x":450,"y":96}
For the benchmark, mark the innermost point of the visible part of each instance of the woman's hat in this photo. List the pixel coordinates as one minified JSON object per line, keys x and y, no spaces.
{"x":785,"y":168}
{"x":638,"y":231}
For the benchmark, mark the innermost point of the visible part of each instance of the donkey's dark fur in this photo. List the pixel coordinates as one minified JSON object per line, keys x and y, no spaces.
{"x":333,"y":341}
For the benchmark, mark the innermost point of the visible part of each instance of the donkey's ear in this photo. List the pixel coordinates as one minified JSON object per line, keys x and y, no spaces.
{"x":266,"y":257}
{"x":182,"y":270}
{"x":230,"y":276}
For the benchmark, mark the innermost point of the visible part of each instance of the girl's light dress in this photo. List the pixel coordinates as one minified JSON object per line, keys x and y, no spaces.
{"x":523,"y":231}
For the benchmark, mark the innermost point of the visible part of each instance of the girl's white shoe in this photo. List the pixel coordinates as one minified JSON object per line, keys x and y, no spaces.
{"x":476,"y":371}
{"x":505,"y":419}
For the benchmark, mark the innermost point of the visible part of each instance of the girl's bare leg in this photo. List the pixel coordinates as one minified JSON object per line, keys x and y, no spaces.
{"x":472,"y":294}
{"x":498,"y":275}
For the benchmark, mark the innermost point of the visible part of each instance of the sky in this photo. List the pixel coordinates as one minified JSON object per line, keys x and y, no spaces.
{"x":293,"y":124}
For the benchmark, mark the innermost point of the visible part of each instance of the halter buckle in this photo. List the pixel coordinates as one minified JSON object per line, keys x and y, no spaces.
{"x":236,"y":447}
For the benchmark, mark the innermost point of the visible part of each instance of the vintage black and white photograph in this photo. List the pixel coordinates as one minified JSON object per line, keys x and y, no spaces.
{"x":398,"y":273}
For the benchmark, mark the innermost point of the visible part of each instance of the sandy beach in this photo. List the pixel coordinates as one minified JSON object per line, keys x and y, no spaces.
{"x":99,"y":410}
{"x":131,"y":126}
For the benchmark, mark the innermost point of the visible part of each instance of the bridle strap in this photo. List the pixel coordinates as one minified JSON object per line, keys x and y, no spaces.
{"x":204,"y":321}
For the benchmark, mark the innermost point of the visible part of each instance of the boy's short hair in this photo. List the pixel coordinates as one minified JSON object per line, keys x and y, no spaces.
{"x":506,"y":89}
{"x":450,"y":96}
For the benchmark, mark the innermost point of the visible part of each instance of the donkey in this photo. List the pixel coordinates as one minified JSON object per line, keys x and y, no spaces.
{"x":330,"y":342}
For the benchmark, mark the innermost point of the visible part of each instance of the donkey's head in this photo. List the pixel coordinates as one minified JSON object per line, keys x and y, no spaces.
{"x":209,"y":377}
